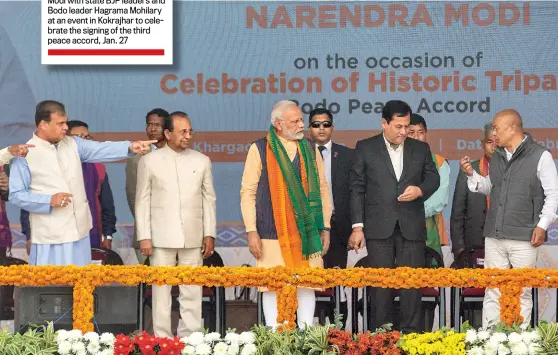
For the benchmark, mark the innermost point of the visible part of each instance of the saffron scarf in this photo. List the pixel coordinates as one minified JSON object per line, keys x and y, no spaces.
{"x":483,"y":170}
{"x":296,"y":201}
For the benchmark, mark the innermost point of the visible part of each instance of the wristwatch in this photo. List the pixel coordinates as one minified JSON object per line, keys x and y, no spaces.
{"x":326,"y":229}
{"x":109,"y":237}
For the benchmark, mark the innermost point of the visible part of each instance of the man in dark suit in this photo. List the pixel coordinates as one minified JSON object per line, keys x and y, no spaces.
{"x":391,"y":178}
{"x":337,"y":162}
{"x":468,"y":211}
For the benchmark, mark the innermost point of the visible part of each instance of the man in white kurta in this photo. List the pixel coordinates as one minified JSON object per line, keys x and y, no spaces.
{"x":175,"y":217}
{"x":49,"y":184}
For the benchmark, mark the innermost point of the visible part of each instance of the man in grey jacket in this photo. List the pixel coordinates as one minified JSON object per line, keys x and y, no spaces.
{"x":523,"y":188}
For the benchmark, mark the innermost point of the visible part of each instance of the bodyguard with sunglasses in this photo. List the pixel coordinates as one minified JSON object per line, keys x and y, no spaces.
{"x":337,"y":161}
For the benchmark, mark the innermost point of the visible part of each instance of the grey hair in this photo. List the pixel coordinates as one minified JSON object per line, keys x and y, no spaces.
{"x":487,"y":128}
{"x":280,"y":108}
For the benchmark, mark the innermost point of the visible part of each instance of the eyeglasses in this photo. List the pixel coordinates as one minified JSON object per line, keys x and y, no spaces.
{"x":324,"y":124}
{"x":185,"y":132}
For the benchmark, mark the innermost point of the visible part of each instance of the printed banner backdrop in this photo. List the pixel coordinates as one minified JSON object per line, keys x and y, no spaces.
{"x":456,"y":63}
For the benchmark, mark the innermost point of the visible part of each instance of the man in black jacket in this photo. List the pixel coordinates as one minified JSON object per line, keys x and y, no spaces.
{"x":338,"y":160}
{"x":468,"y":211}
{"x":391,"y":178}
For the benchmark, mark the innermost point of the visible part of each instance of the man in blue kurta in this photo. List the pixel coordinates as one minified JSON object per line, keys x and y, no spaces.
{"x":49,"y":184}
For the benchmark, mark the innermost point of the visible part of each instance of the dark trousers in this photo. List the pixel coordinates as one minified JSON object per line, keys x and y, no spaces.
{"x":337,"y":257}
{"x":385,"y":253}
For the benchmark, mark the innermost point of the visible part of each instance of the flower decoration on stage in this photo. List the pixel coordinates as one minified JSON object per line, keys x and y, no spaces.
{"x":143,"y":343}
{"x":441,"y":342}
{"x":284,"y":280}
{"x":502,"y":339}
{"x":74,"y":342}
{"x":212,"y":343}
{"x":380,"y":342}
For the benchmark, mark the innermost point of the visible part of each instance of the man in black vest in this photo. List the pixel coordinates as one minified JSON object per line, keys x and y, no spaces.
{"x":468,"y":210}
{"x":338,"y":160}
{"x":274,"y":203}
{"x":523,"y":188}
{"x":391,"y":178}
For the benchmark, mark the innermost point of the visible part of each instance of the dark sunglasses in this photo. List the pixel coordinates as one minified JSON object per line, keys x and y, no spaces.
{"x":317,"y":124}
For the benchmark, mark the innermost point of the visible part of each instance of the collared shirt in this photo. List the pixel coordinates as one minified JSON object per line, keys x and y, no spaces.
{"x":251,"y":178}
{"x":326,"y":154}
{"x":396,"y":156}
{"x":546,"y":173}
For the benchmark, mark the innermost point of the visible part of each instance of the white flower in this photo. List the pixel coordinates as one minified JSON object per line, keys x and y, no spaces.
{"x":64,"y":347}
{"x":212,"y":337}
{"x":78,"y":346}
{"x":233,"y":338}
{"x":483,"y":335}
{"x":195,"y":339}
{"x":475,"y":350}
{"x":203,"y":349}
{"x":503,"y":350}
{"x":233,"y":349}
{"x":515,"y":338}
{"x":91,"y":337}
{"x":93,"y":347}
{"x":108,"y":351}
{"x":220,"y":349}
{"x":249,"y":349}
{"x":498,"y":338}
{"x":526,"y":337}
{"x":107,"y":339}
{"x":493,"y":343}
{"x":75,"y":333}
{"x":81,"y":352}
{"x":247,"y":338}
{"x":188,"y":350}
{"x":471,"y":336}
{"x":490,"y":349}
{"x":62,"y":335}
{"x":519,"y":348}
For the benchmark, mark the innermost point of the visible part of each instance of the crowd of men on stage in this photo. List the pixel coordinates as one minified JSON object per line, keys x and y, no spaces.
{"x":305,"y":202}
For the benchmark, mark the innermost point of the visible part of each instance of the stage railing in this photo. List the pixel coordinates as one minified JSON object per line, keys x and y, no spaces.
{"x":283,"y":280}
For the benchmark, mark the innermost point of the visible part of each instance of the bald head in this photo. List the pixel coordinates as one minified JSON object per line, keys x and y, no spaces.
{"x":508,"y":128}
{"x":510,"y":117}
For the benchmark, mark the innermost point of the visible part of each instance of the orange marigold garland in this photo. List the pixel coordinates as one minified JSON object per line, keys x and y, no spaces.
{"x":287,"y":304}
{"x":284,"y":280}
{"x":510,"y":305}
{"x":83,"y":307}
